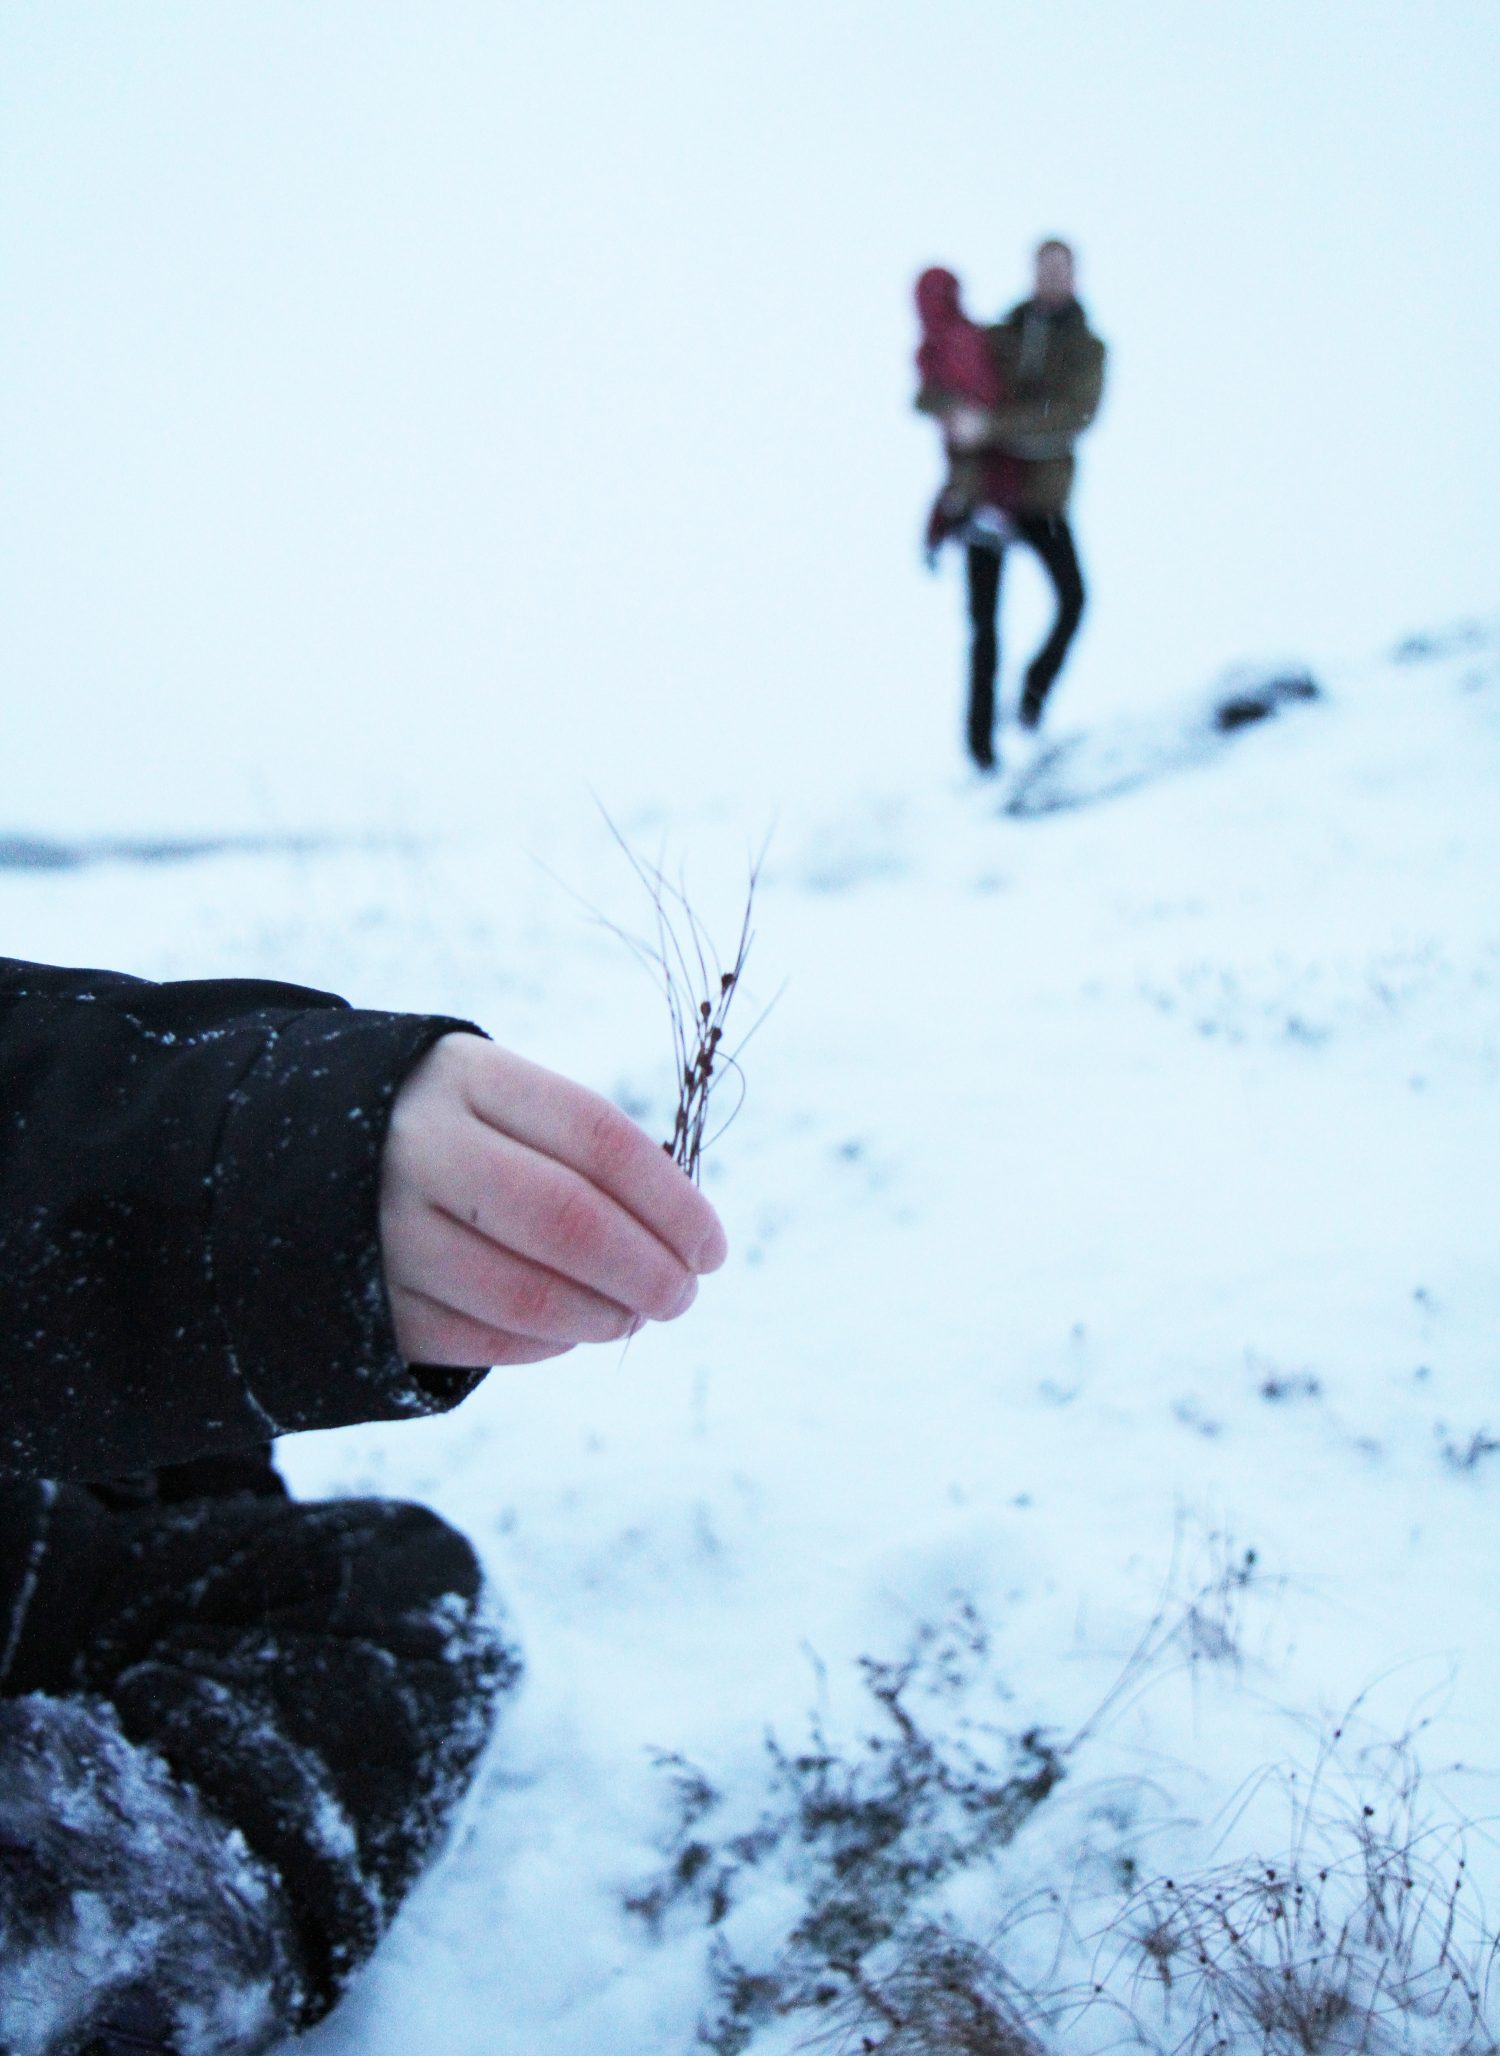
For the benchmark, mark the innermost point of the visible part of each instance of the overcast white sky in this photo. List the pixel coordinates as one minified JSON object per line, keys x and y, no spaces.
{"x":405,"y":408}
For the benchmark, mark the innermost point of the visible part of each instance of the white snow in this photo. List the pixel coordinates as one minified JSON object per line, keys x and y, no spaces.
{"x":1070,"y":1140}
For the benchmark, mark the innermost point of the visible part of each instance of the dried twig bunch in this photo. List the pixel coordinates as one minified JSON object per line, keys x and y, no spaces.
{"x":699,"y":988}
{"x":698,"y":1038}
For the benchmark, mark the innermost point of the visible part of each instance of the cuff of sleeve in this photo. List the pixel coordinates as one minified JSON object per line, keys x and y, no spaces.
{"x":294,"y":1244}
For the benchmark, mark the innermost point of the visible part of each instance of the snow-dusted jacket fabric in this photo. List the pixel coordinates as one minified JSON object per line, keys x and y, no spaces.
{"x":189,"y":1246}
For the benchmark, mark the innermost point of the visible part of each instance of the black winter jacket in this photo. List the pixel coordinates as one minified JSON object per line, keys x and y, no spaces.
{"x":189,"y":1230}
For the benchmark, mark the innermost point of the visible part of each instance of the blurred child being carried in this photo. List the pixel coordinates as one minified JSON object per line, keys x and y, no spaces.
{"x":957,"y":370}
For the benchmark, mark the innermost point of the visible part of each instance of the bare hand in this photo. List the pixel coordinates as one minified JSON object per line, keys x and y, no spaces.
{"x":521,"y":1214}
{"x":965,"y":426}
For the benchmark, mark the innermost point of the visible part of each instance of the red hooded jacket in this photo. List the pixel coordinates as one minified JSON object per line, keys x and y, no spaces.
{"x":954,"y":358}
{"x":953,"y":353}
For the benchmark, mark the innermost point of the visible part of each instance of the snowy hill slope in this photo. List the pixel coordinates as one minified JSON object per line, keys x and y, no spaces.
{"x":1112,"y":1213}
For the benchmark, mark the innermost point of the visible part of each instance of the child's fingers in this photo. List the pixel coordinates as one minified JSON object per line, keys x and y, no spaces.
{"x":431,"y":1333}
{"x":464,"y":1270}
{"x":535,"y":1207}
{"x":520,"y":1212}
{"x":582,"y":1130}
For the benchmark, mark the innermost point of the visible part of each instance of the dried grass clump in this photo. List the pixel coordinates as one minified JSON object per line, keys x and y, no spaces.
{"x":1358,"y":1933}
{"x":943,"y":1996}
{"x":1359,"y":1938}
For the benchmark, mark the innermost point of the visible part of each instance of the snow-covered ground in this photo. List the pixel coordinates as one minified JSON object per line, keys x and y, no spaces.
{"x":1115,"y":1194}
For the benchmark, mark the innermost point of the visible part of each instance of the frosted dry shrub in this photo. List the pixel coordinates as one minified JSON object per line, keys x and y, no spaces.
{"x":699,"y":986}
{"x":864,"y":1830}
{"x":941,"y":1996}
{"x":1362,"y":1937}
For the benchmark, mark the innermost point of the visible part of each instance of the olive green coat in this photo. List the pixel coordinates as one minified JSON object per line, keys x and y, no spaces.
{"x":1053,"y":366}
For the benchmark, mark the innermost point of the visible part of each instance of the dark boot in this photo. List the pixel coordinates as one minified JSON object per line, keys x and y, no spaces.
{"x":132,"y":1922}
{"x":302,"y":1690}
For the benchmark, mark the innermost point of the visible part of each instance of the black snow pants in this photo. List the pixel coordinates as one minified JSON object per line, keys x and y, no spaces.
{"x":1052,"y":539}
{"x":222,"y":1707}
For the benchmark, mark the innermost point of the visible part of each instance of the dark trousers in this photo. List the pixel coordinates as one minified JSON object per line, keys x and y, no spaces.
{"x":1052,"y":539}
{"x":321,"y":1676}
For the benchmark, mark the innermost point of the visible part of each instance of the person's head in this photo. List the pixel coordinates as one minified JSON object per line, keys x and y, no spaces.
{"x":1054,"y":272}
{"x":938,"y":298}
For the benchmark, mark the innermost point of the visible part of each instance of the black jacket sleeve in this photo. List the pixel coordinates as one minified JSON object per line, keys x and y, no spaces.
{"x":189,"y":1225}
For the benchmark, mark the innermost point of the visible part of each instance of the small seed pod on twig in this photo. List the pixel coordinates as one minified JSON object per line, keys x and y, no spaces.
{"x":698,"y":987}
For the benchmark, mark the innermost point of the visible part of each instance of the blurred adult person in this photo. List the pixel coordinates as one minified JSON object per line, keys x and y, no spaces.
{"x":1050,"y":367}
